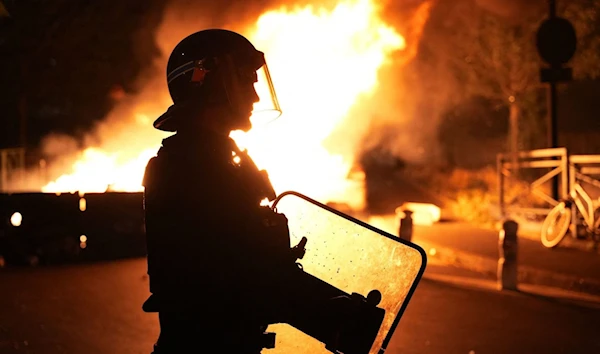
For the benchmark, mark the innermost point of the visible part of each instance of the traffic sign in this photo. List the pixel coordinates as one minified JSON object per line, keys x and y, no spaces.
{"x":556,"y":41}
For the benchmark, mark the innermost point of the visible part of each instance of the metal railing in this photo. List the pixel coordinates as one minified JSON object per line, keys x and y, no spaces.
{"x":568,"y":169}
{"x":581,"y":169}
{"x":556,"y":159}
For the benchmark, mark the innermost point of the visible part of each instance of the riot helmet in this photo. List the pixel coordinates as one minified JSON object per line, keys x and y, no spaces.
{"x":218,"y":67}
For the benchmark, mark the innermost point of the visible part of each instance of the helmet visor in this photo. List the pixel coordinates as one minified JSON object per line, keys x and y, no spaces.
{"x":267,"y":108}
{"x":250,"y":89}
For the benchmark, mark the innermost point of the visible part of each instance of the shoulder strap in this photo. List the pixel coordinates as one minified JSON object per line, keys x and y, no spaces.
{"x":259,"y":178}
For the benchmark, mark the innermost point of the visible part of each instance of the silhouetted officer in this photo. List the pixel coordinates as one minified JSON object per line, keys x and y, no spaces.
{"x":220,"y":265}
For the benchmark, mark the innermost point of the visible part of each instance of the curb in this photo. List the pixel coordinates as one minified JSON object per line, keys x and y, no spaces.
{"x":532,"y":231}
{"x":526,"y":274}
{"x":568,"y":242}
{"x":489,"y":285}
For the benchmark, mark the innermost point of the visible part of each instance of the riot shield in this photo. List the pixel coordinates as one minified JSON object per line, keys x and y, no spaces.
{"x":355,"y":258}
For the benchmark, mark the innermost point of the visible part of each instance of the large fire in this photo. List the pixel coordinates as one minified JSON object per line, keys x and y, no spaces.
{"x":323,"y":62}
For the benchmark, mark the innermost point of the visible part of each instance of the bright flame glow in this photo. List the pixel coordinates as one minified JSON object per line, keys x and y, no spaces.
{"x":422,"y":213}
{"x":16,"y":219}
{"x":323,"y":63}
{"x":98,"y":171}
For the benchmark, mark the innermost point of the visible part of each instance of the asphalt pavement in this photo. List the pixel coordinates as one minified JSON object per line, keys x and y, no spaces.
{"x":96,"y":308}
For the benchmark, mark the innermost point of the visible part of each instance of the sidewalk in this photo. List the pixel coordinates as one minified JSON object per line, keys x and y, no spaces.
{"x":460,"y":277}
{"x":472,"y":248}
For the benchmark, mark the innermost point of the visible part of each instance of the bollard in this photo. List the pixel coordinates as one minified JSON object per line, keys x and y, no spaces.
{"x":507,"y":262}
{"x":406,"y":226}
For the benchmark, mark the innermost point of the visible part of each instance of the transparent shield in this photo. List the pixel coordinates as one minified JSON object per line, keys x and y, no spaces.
{"x":354,"y":257}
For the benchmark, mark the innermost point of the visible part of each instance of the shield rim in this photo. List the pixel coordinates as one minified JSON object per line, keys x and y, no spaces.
{"x":414,"y":246}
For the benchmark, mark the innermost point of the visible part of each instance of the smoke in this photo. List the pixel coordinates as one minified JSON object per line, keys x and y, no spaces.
{"x":399,"y":119}
{"x":127,"y":129}
{"x":390,"y":121}
{"x":513,"y":9}
{"x":419,"y":86}
{"x":133,"y":116}
{"x":385,"y":120}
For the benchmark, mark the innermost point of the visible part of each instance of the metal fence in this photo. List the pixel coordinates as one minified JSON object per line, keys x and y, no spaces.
{"x":554,"y":159}
{"x":567,"y":170}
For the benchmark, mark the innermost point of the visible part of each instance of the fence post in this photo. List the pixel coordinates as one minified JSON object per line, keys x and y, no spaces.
{"x":500,"y":167}
{"x":564,"y":181}
{"x":507,"y":262}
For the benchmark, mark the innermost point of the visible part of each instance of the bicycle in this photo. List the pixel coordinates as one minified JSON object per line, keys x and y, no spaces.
{"x":587,"y":217}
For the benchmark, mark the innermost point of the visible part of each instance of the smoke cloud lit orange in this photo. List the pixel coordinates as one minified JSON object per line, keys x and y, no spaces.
{"x":325,"y":62}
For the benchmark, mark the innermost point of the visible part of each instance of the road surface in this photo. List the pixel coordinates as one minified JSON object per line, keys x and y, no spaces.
{"x":95,"y":309}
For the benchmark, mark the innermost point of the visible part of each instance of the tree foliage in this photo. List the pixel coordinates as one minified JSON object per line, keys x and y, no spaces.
{"x":494,"y":56}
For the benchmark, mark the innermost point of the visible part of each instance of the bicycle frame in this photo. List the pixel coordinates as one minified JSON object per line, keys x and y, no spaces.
{"x":579,"y":195}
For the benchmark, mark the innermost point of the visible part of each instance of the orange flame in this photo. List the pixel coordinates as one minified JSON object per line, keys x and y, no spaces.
{"x":323,"y":62}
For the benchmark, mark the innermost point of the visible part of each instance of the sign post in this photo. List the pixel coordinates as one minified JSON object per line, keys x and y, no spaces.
{"x":556,"y":44}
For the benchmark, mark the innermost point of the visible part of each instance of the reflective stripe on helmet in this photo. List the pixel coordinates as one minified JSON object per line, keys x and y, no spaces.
{"x":180,"y":71}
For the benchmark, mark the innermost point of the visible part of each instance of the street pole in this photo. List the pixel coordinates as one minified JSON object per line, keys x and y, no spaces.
{"x":552,"y":137}
{"x":552,"y":123}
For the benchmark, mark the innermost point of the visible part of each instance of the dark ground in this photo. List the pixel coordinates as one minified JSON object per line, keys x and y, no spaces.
{"x":95,"y":308}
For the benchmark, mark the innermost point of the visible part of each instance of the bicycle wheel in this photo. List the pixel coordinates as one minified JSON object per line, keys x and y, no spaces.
{"x":556,"y":225}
